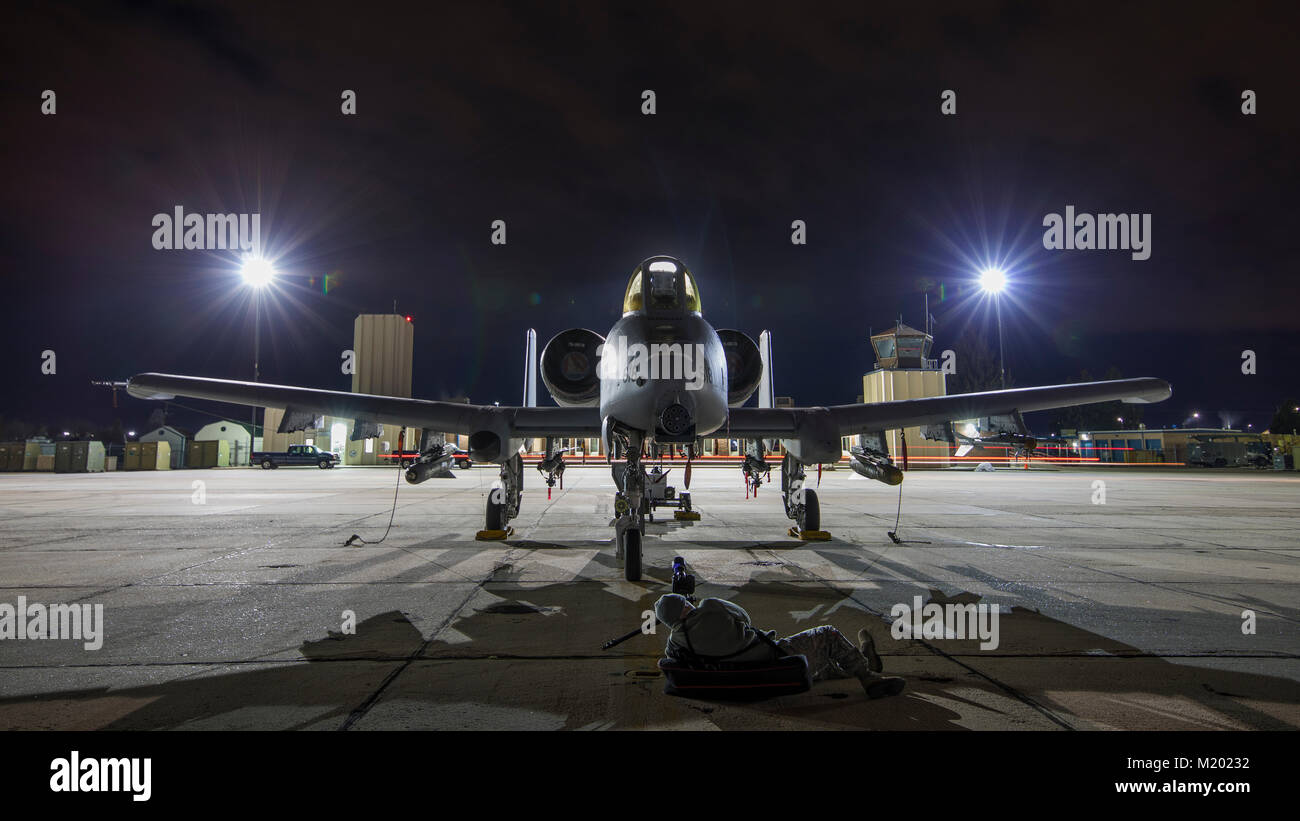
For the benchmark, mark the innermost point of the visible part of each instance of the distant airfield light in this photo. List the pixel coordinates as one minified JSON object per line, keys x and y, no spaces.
{"x":130,"y":433}
{"x":257,"y":271}
{"x":992,"y":280}
{"x":67,"y":433}
{"x":408,"y":317}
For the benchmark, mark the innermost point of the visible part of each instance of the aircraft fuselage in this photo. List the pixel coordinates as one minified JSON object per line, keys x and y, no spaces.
{"x":665,"y":377}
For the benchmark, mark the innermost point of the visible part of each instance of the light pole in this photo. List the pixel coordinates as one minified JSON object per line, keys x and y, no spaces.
{"x":993,"y":281}
{"x":258,"y":274}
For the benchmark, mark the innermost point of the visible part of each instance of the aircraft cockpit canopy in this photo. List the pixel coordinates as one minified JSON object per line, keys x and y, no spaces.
{"x":662,"y":285}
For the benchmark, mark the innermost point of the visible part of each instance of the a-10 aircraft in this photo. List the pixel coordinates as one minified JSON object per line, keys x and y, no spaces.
{"x":663,"y":378}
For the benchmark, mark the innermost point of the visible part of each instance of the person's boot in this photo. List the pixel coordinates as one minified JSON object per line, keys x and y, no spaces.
{"x":867,"y":647}
{"x":878,"y":686}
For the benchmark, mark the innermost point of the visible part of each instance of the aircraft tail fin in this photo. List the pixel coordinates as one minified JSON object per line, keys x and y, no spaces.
{"x":530,"y":369}
{"x":766,"y":393}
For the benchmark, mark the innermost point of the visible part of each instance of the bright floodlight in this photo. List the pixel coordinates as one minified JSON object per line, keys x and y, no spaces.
{"x":992,"y":280}
{"x":257,"y":272}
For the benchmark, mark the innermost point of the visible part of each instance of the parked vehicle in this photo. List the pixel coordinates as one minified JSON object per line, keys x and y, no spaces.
{"x":296,"y":455}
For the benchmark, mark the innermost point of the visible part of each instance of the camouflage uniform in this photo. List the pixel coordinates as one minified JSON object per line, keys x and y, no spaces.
{"x":829,"y":653}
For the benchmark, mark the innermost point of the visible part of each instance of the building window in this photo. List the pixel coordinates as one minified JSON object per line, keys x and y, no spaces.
{"x":370,"y":446}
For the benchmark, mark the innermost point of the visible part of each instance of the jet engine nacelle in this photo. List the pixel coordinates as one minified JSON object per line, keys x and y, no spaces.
{"x":744,"y":366}
{"x":571,"y":368}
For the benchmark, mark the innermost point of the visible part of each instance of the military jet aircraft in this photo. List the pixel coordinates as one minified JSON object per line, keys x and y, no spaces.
{"x":663,"y":377}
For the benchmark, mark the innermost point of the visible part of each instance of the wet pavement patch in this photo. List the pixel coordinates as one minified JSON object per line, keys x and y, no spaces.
{"x":509,"y":608}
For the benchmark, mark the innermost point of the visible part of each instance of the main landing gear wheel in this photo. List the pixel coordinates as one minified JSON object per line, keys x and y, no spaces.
{"x":812,"y":512}
{"x":494,"y":514}
{"x":632,"y":554}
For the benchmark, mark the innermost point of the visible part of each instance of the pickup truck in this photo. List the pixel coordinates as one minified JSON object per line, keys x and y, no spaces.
{"x":296,"y":455}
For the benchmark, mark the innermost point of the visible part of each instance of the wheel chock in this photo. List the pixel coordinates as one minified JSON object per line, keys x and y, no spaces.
{"x":686,"y":516}
{"x":810,"y":535}
{"x":493,"y":535}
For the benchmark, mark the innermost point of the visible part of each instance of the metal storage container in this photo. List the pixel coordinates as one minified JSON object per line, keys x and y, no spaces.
{"x":11,"y":455}
{"x":94,"y":457}
{"x":131,"y":458}
{"x":79,"y":457}
{"x":63,"y":457}
{"x":155,"y":455}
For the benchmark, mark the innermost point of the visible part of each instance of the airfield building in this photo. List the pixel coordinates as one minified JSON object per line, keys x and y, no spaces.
{"x":382,"y":353}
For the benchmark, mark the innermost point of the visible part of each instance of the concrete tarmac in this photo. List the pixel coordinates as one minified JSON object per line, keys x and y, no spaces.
{"x":225,"y":603}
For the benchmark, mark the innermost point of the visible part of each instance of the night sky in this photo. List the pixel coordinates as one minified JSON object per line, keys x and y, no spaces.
{"x":531,"y":114}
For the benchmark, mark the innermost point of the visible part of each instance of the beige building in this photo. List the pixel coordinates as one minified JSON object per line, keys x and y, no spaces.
{"x":383,"y":347}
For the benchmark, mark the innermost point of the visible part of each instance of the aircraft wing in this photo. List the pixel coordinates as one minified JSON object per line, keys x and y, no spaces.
{"x":445,"y":417}
{"x":846,"y":420}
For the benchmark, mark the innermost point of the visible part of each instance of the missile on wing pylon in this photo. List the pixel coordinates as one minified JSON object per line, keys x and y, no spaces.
{"x":874,"y":467}
{"x":420,"y":471}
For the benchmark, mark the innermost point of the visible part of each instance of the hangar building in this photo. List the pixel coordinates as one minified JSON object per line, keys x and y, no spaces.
{"x":176,"y":440}
{"x":241,"y":441}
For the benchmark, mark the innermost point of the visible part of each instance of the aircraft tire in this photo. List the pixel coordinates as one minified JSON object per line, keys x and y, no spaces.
{"x":495,"y":511}
{"x":812,"y":512}
{"x":632,"y":555}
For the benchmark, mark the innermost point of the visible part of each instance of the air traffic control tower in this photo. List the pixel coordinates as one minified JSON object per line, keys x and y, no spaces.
{"x":905,"y":371}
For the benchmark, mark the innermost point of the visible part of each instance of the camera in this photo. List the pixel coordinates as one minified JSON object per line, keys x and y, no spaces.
{"x":683,"y":582}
